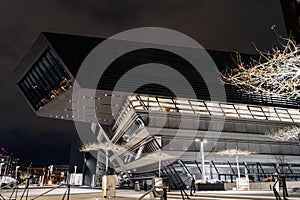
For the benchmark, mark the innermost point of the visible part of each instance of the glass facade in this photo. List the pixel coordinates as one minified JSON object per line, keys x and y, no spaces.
{"x":45,"y":80}
{"x":133,"y":129}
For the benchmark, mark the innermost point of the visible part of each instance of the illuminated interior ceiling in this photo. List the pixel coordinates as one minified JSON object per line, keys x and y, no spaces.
{"x":207,"y":108}
{"x":45,"y":80}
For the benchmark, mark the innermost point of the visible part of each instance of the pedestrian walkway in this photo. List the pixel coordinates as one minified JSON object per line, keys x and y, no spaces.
{"x":241,"y":195}
{"x":81,"y":193}
{"x":76,"y":193}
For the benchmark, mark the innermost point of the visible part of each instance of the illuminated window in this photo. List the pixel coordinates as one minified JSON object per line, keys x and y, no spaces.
{"x":229,"y":110}
{"x":257,"y":112}
{"x":214,"y":108}
{"x":45,"y":80}
{"x":283,"y":115}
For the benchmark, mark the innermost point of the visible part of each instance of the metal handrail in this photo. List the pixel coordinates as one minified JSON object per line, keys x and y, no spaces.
{"x":149,"y":191}
{"x":183,"y":182}
{"x":153,"y":190}
{"x":276,"y":194}
{"x":16,"y":187}
{"x":146,"y":193}
{"x":182,"y":189}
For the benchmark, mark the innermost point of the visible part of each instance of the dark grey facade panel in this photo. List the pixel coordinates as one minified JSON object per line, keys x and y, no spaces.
{"x":72,"y":49}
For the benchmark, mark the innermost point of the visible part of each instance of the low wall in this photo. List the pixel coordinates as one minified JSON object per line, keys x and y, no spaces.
{"x":229,"y":186}
{"x":263,"y":185}
{"x":210,"y":187}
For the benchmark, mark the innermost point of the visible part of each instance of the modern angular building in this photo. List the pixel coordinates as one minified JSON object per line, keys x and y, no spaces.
{"x":148,"y":121}
{"x":46,"y":76}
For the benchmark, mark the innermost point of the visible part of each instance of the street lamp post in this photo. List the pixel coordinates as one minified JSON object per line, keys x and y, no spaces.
{"x":202,"y":141}
{"x":5,"y":169}
{"x":106,"y":161}
{"x":159,"y":166}
{"x":17,"y":167}
{"x":75,"y":169}
{"x":238,"y":169}
{"x":1,"y":164}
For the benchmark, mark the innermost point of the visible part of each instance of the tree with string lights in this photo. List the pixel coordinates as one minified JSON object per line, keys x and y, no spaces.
{"x":275,"y":74}
{"x":290,"y":133}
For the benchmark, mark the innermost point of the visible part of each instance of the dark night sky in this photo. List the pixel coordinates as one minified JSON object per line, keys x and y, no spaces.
{"x":216,"y":24}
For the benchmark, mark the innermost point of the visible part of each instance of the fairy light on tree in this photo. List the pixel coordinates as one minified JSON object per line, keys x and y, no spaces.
{"x":236,"y":152}
{"x":291,"y":133}
{"x":159,"y":156}
{"x":275,"y":73}
{"x":102,"y":146}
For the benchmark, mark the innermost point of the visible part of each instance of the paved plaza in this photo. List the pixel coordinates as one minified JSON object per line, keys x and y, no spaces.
{"x":95,"y":194}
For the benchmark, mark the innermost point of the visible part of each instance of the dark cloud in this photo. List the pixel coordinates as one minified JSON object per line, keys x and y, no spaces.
{"x":222,"y":25}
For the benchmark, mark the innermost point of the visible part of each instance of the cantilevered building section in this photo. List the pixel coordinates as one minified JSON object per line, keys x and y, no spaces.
{"x":147,"y":121}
